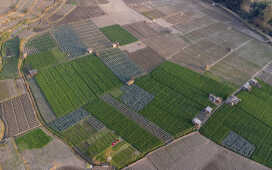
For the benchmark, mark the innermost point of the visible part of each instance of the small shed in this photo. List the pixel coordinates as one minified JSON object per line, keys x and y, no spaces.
{"x":254,"y":83}
{"x":247,"y":87}
{"x":233,"y":100}
{"x":115,"y":45}
{"x":90,"y":50}
{"x":130,"y":82}
{"x":202,"y":117}
{"x":215,"y":100}
{"x":32,"y":73}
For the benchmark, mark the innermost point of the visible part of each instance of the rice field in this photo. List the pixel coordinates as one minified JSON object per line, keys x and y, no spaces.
{"x":68,"y":86}
{"x":126,"y":128}
{"x":250,"y":119}
{"x":179,"y":95}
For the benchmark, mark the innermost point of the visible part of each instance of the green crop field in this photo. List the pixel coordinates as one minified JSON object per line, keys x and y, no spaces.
{"x":122,"y":154}
{"x":42,"y":43}
{"x":32,"y":140}
{"x":251,"y":119}
{"x":119,"y":34}
{"x":71,"y":85}
{"x":179,"y":95}
{"x":44,"y":59}
{"x":10,"y":53}
{"x":126,"y":128}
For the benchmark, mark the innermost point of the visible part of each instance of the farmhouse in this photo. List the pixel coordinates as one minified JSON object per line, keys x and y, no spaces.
{"x":202,"y":117}
{"x":215,"y":100}
{"x":233,"y":100}
{"x":247,"y":87}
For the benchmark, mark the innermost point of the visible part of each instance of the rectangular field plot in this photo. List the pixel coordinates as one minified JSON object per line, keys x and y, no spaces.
{"x":139,"y":119}
{"x":142,"y":30}
{"x":120,"y":64}
{"x":82,"y":13}
{"x":165,"y":45}
{"x":135,"y":97}
{"x":240,"y":65}
{"x":241,"y":122}
{"x":199,"y":55}
{"x":68,"y":41}
{"x":238,"y":144}
{"x":44,"y":59}
{"x":41,"y":43}
{"x":18,"y":115}
{"x":146,"y":58}
{"x":126,"y":128}
{"x":71,"y":85}
{"x":44,"y":108}
{"x":10,"y":58}
{"x":180,"y":94}
{"x":116,"y":33}
{"x":69,"y":120}
{"x":90,"y":35}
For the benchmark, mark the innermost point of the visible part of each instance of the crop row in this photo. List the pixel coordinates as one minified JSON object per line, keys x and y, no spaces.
{"x":69,"y":120}
{"x":120,"y":64}
{"x":41,"y":43}
{"x":69,"y":42}
{"x":126,"y":128}
{"x":71,"y":85}
{"x":135,"y":97}
{"x":245,"y":121}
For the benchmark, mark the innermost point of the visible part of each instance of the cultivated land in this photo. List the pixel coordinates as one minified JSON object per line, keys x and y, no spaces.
{"x":179,"y":95}
{"x":251,"y":119}
{"x":177,"y":51}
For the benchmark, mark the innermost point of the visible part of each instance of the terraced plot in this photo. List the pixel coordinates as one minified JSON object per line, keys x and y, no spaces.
{"x":251,"y":119}
{"x":70,"y":85}
{"x":18,"y":115}
{"x":179,"y":95}
{"x":126,"y":128}
{"x":120,"y":64}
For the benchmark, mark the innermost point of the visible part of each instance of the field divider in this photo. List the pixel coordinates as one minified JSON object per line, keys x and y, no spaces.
{"x":139,"y":119}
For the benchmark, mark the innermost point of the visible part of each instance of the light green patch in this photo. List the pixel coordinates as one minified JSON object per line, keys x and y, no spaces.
{"x":34,"y":139}
{"x":116,"y":33}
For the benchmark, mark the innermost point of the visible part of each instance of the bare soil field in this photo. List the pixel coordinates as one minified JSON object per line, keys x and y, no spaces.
{"x":146,"y":58}
{"x":194,"y":152}
{"x":11,"y":88}
{"x":9,"y":157}
{"x":5,"y":4}
{"x":165,"y":45}
{"x":132,"y":47}
{"x":54,"y":155}
{"x":142,"y":30}
{"x":82,"y":13}
{"x":18,"y":115}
